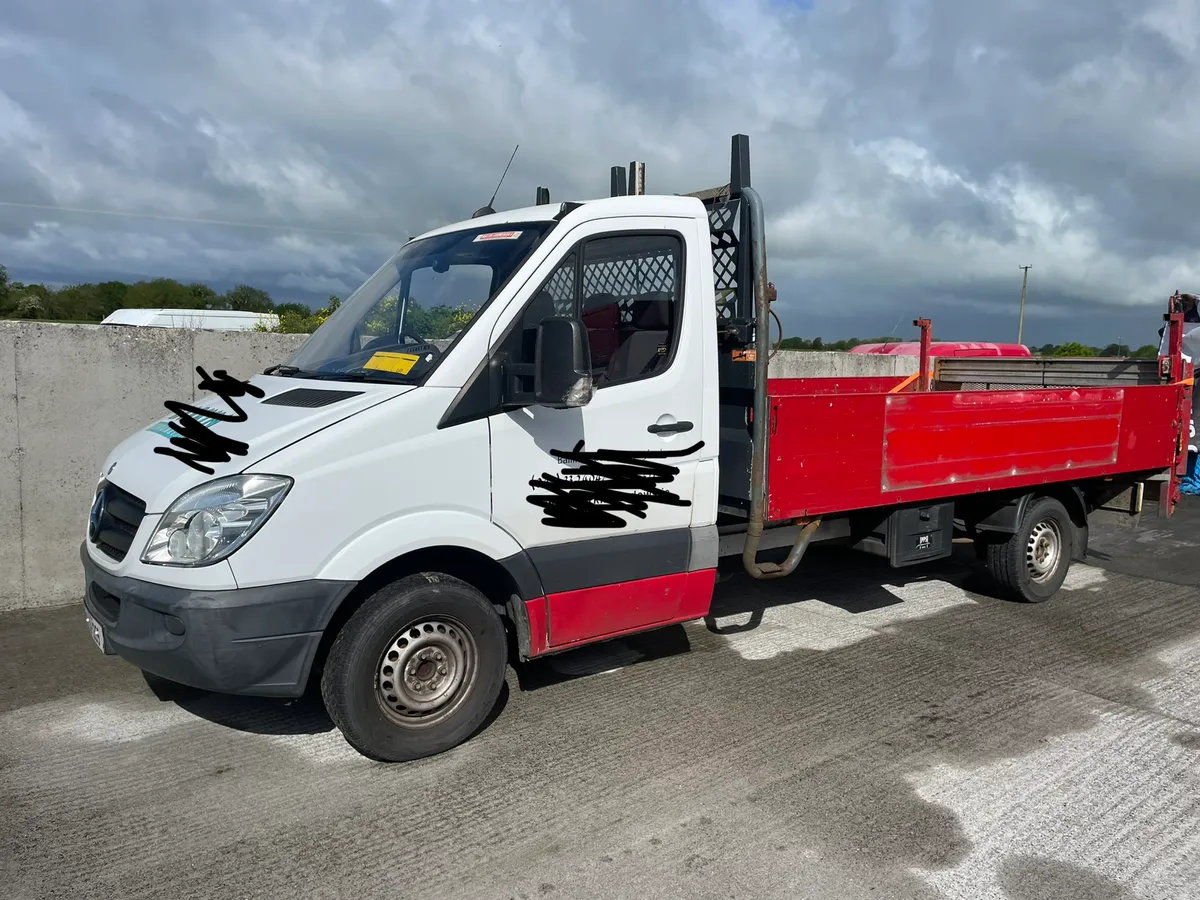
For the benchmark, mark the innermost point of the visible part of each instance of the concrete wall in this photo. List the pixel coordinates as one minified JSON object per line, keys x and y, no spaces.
{"x":70,"y":393}
{"x":831,"y":364}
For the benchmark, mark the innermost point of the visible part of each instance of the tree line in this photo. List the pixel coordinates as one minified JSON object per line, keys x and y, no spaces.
{"x":1146,"y":351}
{"x":93,"y":302}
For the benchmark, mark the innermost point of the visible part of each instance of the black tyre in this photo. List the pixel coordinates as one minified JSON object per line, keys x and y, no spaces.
{"x":1032,"y":564}
{"x":416,"y":669}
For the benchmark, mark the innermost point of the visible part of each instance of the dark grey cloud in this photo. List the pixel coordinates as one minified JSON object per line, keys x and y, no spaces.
{"x":912,"y":153}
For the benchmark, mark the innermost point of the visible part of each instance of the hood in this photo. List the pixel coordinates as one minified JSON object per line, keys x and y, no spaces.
{"x":290,"y":409}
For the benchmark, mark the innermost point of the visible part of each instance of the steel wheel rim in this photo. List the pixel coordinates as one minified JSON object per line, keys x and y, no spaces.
{"x":1043,"y":550}
{"x":425,"y":671}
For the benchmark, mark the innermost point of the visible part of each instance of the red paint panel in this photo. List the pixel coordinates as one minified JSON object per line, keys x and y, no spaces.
{"x":957,"y":438}
{"x":539,"y":633}
{"x":697,"y":594}
{"x":610,"y":610}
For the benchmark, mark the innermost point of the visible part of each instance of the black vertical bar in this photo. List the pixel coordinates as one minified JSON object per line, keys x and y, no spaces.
{"x":543,"y":196}
{"x":739,"y":164}
{"x":744,"y":307}
{"x":618,"y":182}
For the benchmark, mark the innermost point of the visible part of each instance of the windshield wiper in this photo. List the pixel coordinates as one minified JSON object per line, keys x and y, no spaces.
{"x":296,"y":372}
{"x":378,"y":377}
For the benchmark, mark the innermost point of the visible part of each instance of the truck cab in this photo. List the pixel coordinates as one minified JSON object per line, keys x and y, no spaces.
{"x":387,"y":482}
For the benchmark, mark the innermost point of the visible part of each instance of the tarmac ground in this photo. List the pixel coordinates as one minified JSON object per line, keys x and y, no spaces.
{"x":852,"y":731}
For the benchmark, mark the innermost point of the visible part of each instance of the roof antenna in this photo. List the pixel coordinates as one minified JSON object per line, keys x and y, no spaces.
{"x":487,"y":210}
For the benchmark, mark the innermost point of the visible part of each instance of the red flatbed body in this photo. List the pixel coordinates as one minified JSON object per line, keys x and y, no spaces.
{"x":840,"y":444}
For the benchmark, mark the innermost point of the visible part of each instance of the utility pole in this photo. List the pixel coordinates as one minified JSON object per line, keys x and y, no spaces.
{"x":1024,"y":284}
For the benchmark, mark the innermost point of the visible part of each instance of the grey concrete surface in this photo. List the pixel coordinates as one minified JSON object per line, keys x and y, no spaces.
{"x":70,"y":394}
{"x":853,"y":731}
{"x":12,"y":557}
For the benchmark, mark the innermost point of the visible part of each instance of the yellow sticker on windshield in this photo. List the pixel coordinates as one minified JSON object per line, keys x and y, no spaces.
{"x":401,"y":363}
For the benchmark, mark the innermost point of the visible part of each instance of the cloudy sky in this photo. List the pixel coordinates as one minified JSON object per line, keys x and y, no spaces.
{"x":912,"y":154}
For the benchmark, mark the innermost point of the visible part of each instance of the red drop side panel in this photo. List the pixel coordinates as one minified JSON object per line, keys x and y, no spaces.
{"x":1152,"y":423}
{"x":965,"y":437}
{"x":826,"y":453}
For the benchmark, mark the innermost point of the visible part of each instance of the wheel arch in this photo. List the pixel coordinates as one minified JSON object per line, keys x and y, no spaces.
{"x":1072,"y":498}
{"x":503,"y":582}
{"x":1002,"y":516}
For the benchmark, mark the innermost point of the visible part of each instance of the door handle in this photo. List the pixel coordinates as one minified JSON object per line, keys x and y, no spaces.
{"x":673,"y":428}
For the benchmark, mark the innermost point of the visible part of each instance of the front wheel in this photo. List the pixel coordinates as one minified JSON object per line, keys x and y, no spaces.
{"x":417,"y":669}
{"x":1032,"y":564}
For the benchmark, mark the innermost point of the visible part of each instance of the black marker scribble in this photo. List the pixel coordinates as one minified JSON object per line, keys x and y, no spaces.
{"x":196,"y":442}
{"x":604,"y":482}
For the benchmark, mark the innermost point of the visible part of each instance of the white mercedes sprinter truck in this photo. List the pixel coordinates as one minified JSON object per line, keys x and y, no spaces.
{"x":517,"y":438}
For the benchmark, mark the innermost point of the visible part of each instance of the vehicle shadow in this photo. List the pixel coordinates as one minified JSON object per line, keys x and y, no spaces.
{"x":604,"y":656}
{"x":255,"y":715}
{"x":836,"y":576}
{"x":304,"y":715}
{"x":842,"y":577}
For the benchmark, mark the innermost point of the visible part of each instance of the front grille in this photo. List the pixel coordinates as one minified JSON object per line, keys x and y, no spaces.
{"x":119,"y":519}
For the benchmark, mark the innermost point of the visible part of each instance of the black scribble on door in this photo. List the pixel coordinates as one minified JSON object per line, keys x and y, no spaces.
{"x":604,"y":483}
{"x":196,"y":443}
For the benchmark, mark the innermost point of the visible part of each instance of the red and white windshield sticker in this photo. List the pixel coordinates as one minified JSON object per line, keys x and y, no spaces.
{"x":498,"y":236}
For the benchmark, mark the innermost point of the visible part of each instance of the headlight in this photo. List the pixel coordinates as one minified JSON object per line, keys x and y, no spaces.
{"x":209,"y":522}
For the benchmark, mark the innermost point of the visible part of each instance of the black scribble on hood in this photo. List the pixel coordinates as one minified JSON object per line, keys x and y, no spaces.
{"x":196,"y":442}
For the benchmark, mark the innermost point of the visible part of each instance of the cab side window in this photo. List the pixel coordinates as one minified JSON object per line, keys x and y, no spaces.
{"x":630,"y":304}
{"x":628,"y":294}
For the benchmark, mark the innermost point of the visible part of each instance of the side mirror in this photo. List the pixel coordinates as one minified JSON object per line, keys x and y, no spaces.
{"x":562,"y":370}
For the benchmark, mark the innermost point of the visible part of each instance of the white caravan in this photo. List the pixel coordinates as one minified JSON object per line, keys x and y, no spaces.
{"x":216,"y":319}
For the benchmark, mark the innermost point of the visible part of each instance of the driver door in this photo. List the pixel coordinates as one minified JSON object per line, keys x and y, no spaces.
{"x":601,"y":496}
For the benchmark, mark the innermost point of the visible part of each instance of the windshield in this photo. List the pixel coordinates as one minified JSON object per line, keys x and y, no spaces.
{"x":407,"y":314}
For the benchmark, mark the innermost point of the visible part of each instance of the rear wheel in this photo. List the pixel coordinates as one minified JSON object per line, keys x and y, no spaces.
{"x":1032,"y":564}
{"x":417,"y":668}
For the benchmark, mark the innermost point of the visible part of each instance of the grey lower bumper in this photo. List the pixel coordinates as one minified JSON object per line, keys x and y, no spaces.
{"x":259,"y":641}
